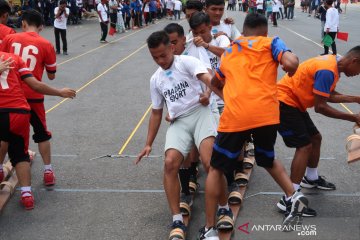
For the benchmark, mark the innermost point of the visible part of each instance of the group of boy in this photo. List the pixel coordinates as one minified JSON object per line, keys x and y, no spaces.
{"x":186,"y":81}
{"x":23,"y":58}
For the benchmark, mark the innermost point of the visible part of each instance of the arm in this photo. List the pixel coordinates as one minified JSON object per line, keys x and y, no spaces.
{"x":199,"y":42}
{"x":336,"y":97}
{"x":99,"y":13}
{"x":206,"y":78}
{"x":322,"y":107}
{"x":43,"y":88}
{"x":154,"y":125}
{"x":289,"y":62}
{"x":5,"y":65}
{"x":66,"y":12}
{"x":59,"y":12}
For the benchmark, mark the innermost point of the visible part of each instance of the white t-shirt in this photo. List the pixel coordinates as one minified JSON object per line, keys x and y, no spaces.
{"x":177,"y":86}
{"x":198,"y":52}
{"x":61,"y":21}
{"x":332,"y":20}
{"x":103,"y":12}
{"x":111,"y":4}
{"x":275,"y":5}
{"x":177,"y":5}
{"x":146,"y":7}
{"x":230,"y":30}
{"x":260,"y":4}
{"x":220,"y":41}
{"x":170,"y":4}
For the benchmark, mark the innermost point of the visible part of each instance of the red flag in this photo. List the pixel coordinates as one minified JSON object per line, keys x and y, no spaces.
{"x":343,"y":36}
{"x":112,"y":30}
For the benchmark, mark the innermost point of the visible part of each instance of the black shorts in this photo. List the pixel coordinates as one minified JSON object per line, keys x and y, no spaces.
{"x":38,"y":121}
{"x":296,"y":127}
{"x":228,"y":147}
{"x":15,"y":129}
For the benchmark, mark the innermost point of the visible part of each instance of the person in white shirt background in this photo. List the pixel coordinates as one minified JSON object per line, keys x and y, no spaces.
{"x":102,"y":11}
{"x":275,"y":11}
{"x":260,"y":6}
{"x":177,"y":9}
{"x":331,"y":25}
{"x":61,"y":16}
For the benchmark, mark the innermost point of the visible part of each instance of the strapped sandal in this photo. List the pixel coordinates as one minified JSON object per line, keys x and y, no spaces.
{"x":185,"y":209}
{"x":248,"y":163}
{"x":193,"y":187}
{"x":353,"y":149}
{"x":235,"y":198}
{"x":242,"y":179}
{"x":177,"y":233}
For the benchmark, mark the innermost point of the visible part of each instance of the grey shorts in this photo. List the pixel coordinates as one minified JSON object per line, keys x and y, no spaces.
{"x":190,"y":129}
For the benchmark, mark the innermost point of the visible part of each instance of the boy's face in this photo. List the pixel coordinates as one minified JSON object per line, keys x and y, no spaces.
{"x":203,"y":31}
{"x":352,"y":67}
{"x":163,"y":55}
{"x":178,"y":42}
{"x":4,"y":18}
{"x":215,"y":13}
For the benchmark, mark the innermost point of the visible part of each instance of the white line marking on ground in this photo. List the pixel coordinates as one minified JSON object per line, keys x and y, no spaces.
{"x":313,"y":194}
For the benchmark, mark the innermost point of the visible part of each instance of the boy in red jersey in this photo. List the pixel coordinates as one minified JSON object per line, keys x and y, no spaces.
{"x":15,"y":117}
{"x":313,"y":85}
{"x":4,"y":14}
{"x":247,"y":75}
{"x":38,"y":53}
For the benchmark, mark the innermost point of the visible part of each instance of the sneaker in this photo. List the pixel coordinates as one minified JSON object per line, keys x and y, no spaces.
{"x":193,"y":185}
{"x":178,"y":231}
{"x":186,"y":201}
{"x":283,"y":204}
{"x":103,"y":41}
{"x":235,"y":195}
{"x":225,"y":219}
{"x":320,"y":183}
{"x":293,"y":215}
{"x":65,"y":53}
{"x":2,"y":175}
{"x":210,"y":234}
{"x":49,"y":178}
{"x":27,"y":200}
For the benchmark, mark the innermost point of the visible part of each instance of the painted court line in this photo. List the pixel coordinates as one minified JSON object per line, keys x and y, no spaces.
{"x":357,"y":194}
{"x":97,"y":77}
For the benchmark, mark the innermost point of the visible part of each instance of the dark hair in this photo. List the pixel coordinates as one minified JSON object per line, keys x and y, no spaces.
{"x":62,"y":2}
{"x":255,"y":20}
{"x":33,"y":17}
{"x":158,"y":38}
{"x":199,"y":18}
{"x":208,"y":3}
{"x":175,"y":28}
{"x":4,"y":7}
{"x":329,"y":2}
{"x":354,"y":50}
{"x":194,"y":4}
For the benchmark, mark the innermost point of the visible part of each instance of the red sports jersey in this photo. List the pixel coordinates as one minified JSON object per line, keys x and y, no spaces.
{"x":4,"y":31}
{"x":37,"y":52}
{"x":12,"y":98}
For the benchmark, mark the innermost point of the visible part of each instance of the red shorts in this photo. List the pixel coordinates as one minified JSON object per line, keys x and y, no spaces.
{"x":38,"y":121}
{"x":15,"y":129}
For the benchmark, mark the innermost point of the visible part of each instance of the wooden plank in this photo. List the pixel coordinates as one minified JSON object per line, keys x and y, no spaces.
{"x":354,"y":150}
{"x":226,"y":235}
{"x":8,"y":186}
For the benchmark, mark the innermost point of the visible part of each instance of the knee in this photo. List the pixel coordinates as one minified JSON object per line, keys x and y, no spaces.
{"x":171,"y":166}
{"x":316,"y":139}
{"x":306,"y":148}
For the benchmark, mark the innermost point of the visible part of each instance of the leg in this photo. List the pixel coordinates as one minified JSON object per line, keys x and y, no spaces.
{"x":315,"y":153}
{"x":333,"y":45}
{"x":3,"y":151}
{"x":57,"y":39}
{"x":173,"y":159}
{"x":63,"y":39}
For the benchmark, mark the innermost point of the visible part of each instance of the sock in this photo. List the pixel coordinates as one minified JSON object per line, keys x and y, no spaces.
{"x":47,"y":167}
{"x":184,"y":175}
{"x":312,"y":174}
{"x":296,"y":186}
{"x":287,"y":198}
{"x":178,"y":217}
{"x":25,"y":189}
{"x":225,"y":206}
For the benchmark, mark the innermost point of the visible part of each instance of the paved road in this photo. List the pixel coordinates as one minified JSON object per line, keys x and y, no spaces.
{"x":114,"y":199}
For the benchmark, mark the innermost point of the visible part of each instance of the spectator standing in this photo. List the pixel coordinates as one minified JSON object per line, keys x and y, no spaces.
{"x":153,"y":10}
{"x":126,"y":14}
{"x":120,"y":26}
{"x":275,"y":11}
{"x":331,"y":26}
{"x":322,"y":12}
{"x":260,"y":6}
{"x":177,"y":9}
{"x":290,"y":8}
{"x":60,"y":22}
{"x":113,"y":8}
{"x":102,"y":11}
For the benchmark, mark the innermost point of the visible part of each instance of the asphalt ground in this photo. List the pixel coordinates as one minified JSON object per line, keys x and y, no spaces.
{"x":111,"y":198}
